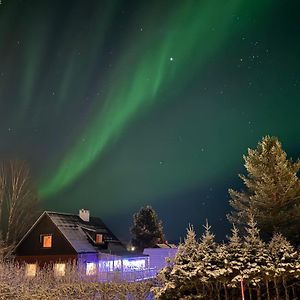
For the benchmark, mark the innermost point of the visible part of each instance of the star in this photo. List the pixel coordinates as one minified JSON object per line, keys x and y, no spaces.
{"x":171,"y":59}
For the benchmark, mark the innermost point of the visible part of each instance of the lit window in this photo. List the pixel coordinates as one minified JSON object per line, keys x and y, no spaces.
{"x":60,"y":269}
{"x":99,"y":238}
{"x":106,"y":265}
{"x":91,"y":268}
{"x":117,"y":265}
{"x":30,"y":270}
{"x":135,"y":264}
{"x":47,"y":240}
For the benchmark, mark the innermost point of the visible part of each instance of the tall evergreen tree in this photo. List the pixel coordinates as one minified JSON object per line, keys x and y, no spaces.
{"x":272,"y":191}
{"x":147,"y":229}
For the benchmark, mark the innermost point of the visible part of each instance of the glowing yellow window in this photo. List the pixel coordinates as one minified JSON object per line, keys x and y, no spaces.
{"x":30,"y":270}
{"x":91,"y":268}
{"x":99,"y":238}
{"x":60,"y":269}
{"x":47,"y":240}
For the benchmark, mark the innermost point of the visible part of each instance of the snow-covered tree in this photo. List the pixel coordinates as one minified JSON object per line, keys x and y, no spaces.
{"x":235,"y":250}
{"x":283,"y":266}
{"x":207,"y":255}
{"x":147,"y":229}
{"x":272,"y":192}
{"x":179,"y":278}
{"x":256,"y":257}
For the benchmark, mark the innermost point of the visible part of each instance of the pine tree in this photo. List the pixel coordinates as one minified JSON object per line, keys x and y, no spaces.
{"x":179,"y":278}
{"x":272,"y":192}
{"x":256,"y":258}
{"x":236,"y":265}
{"x":147,"y":229}
{"x":283,"y":264}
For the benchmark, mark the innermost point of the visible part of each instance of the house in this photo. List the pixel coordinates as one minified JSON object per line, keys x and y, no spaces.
{"x":159,"y":254}
{"x":56,"y":239}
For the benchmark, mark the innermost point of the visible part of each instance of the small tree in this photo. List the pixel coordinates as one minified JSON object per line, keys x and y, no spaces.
{"x":283,"y":264}
{"x":272,"y":192}
{"x":207,"y":267}
{"x":147,"y":229}
{"x":18,"y":201}
{"x":236,"y":265}
{"x":179,"y":278}
{"x":255,"y":258}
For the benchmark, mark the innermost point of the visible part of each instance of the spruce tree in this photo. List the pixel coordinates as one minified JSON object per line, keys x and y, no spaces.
{"x":147,"y":229}
{"x":256,"y":258}
{"x":272,"y":191}
{"x":179,"y":279}
{"x":235,"y":249}
{"x":208,"y":266}
{"x":283,"y":266}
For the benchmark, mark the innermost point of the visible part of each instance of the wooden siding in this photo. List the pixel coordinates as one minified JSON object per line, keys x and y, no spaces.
{"x":32,"y":245}
{"x":46,"y":260}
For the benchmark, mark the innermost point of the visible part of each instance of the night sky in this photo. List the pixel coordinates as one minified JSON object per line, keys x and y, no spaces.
{"x":119,"y":104}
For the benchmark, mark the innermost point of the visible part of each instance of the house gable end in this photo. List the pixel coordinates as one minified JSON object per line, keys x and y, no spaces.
{"x":32,"y":243}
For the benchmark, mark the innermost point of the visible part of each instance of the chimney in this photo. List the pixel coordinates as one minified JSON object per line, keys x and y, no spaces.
{"x":84,"y":215}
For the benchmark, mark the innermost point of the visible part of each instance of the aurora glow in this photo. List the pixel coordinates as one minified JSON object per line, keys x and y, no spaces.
{"x":141,"y":74}
{"x":120,"y":103}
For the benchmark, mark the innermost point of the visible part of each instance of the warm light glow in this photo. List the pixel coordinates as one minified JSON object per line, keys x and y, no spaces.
{"x":99,"y":238}
{"x":30,"y":270}
{"x":135,"y":264}
{"x":107,"y":265}
{"x":110,"y":265}
{"x":60,"y":269}
{"x":91,"y":268}
{"x":117,"y":265}
{"x":47,"y":241}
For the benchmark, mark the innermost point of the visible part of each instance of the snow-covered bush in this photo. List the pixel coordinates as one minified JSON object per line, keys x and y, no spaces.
{"x":14,"y":284}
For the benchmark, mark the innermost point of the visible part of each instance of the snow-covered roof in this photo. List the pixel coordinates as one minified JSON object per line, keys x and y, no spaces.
{"x":80,"y":234}
{"x":76,"y":231}
{"x":165,"y":245}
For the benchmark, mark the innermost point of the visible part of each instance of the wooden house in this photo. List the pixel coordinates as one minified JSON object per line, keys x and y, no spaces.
{"x":58,"y":238}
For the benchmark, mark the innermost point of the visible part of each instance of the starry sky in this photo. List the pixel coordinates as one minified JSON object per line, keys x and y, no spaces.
{"x":119,"y":104}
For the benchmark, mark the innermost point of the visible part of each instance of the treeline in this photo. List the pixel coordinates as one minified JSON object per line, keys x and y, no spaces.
{"x":205,"y":269}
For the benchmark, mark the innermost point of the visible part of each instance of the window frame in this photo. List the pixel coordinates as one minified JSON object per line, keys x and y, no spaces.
{"x":99,"y":241}
{"x":30,"y":272}
{"x":43,"y":236}
{"x":59,"y":272}
{"x":91,"y":269}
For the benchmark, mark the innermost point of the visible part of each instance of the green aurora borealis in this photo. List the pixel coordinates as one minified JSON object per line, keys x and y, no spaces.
{"x":117,"y":104}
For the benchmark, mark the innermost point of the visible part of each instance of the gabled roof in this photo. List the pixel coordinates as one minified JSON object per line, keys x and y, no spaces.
{"x":165,"y":246}
{"x":78,"y":233}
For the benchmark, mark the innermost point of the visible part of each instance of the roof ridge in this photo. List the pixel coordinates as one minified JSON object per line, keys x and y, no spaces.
{"x":60,"y":213}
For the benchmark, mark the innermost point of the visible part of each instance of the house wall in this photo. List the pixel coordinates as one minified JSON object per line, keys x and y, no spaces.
{"x":158,"y":256}
{"x":32,"y":245}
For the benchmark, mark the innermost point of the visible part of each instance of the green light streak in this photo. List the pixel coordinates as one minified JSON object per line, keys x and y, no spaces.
{"x":144,"y":71}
